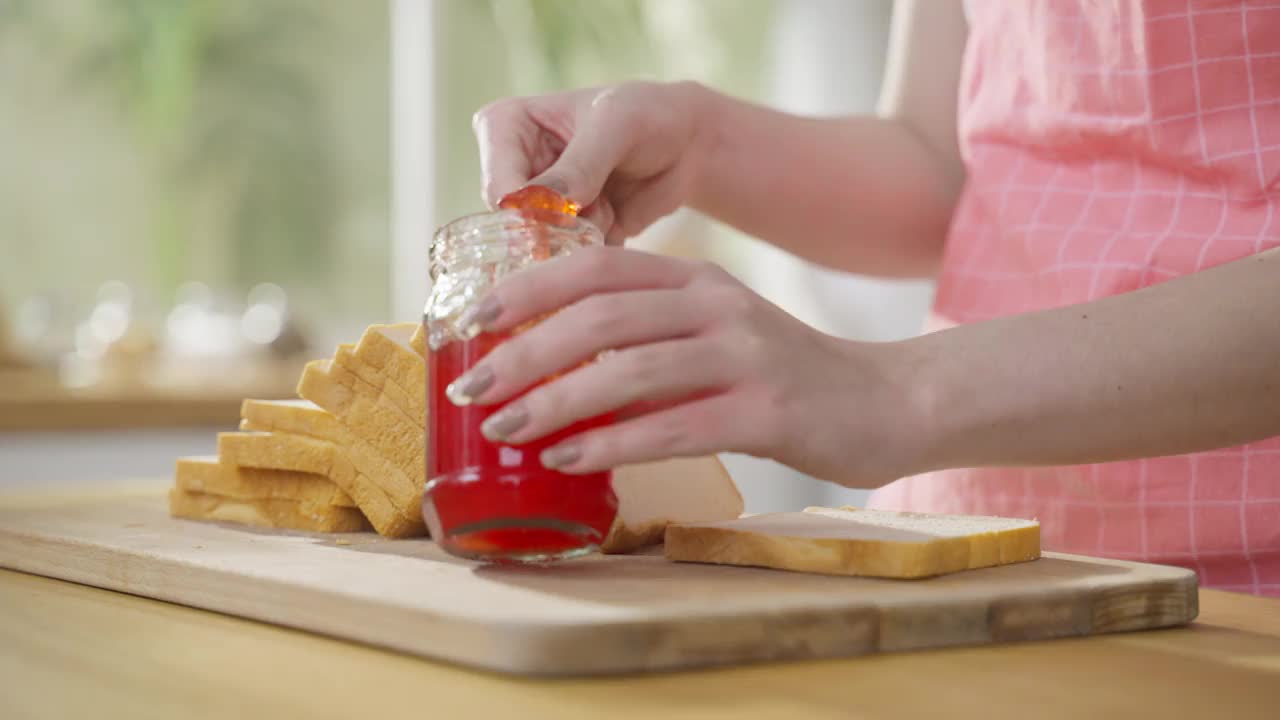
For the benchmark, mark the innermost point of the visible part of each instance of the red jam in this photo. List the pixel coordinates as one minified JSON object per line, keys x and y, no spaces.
{"x":538,"y":197}
{"x":497,"y":502}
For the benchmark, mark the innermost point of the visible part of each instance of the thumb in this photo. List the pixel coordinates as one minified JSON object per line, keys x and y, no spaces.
{"x":592,"y":154}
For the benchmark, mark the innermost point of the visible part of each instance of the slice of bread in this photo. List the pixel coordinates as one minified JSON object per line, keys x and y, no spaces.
{"x":851,"y":541}
{"x":301,"y":417}
{"x":205,"y":474}
{"x":276,"y":451}
{"x":265,"y":512}
{"x":654,"y":495}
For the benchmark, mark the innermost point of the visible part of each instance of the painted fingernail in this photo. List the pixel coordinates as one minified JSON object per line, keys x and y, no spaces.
{"x":501,"y":424}
{"x":466,"y":388}
{"x":479,"y":316}
{"x":561,"y":455}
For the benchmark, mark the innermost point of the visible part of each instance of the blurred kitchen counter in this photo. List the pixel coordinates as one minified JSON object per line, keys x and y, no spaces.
{"x":76,"y":651}
{"x":34,"y":399}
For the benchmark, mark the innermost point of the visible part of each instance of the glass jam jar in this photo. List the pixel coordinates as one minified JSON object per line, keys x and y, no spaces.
{"x":486,"y":500}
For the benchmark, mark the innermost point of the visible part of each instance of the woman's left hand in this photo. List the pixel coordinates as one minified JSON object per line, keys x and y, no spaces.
{"x":698,"y":364}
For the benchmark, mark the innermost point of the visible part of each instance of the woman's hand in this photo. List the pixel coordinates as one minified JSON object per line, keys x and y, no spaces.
{"x":699,"y":364}
{"x":863,"y":194}
{"x":628,"y":154}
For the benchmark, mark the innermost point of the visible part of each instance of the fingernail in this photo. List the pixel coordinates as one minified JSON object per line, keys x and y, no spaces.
{"x":478,"y":316}
{"x":465,"y":389}
{"x":501,"y":424}
{"x":561,"y":455}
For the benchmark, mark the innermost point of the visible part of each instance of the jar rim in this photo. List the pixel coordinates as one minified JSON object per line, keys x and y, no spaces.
{"x":481,"y":220}
{"x":487,"y":231}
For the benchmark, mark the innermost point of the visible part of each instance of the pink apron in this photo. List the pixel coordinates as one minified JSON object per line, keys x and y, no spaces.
{"x":1111,"y":145}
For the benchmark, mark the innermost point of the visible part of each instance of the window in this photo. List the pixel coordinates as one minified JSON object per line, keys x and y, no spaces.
{"x":150,"y":144}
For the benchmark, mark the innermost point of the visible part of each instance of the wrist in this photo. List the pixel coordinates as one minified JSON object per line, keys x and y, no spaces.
{"x":887,"y":413}
{"x":705,"y":109}
{"x":921,"y":383}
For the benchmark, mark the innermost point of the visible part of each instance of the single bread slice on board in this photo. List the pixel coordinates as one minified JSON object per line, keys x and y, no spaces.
{"x":265,"y":512}
{"x":654,"y":495}
{"x":205,"y":474}
{"x":849,"y":541}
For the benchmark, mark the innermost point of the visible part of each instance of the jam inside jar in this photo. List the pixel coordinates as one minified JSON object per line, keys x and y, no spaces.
{"x":486,"y":500}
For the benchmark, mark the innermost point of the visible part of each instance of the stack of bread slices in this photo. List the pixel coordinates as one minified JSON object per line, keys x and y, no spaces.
{"x":350,"y":454}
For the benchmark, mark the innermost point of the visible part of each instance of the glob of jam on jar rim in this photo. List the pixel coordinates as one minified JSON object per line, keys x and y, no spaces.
{"x":538,"y":197}
{"x":541,"y":204}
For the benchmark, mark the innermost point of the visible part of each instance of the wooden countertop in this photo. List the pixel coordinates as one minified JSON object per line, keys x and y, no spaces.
{"x":72,"y":651}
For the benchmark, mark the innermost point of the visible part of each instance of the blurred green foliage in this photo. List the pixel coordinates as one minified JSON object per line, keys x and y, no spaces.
{"x":235,"y":141}
{"x":222,"y":109}
{"x":503,"y":47}
{"x":222,"y":103}
{"x":559,"y":44}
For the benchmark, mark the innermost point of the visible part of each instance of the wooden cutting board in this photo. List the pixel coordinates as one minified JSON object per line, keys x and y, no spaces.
{"x":597,"y":615}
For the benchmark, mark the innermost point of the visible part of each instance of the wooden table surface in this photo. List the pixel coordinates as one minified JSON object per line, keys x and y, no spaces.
{"x":72,"y":651}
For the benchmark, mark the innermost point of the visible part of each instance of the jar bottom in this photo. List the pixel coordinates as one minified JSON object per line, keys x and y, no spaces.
{"x":519,"y":517}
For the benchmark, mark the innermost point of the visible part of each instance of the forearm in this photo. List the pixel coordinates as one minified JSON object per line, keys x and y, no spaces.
{"x":862,"y":194}
{"x":1188,"y":365}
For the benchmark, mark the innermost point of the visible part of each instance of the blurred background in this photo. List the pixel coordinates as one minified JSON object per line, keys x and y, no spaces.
{"x":197,"y":196}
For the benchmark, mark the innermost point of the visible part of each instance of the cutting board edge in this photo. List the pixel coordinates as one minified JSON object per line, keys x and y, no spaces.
{"x":666,"y":645}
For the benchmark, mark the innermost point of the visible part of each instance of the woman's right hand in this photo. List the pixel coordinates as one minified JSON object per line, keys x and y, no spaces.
{"x":628,"y":154}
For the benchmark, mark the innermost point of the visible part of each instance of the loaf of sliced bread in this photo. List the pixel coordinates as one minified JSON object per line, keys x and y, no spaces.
{"x":361,"y":423}
{"x":380,"y":438}
{"x":378,"y":488}
{"x":852,"y":541}
{"x":305,"y":419}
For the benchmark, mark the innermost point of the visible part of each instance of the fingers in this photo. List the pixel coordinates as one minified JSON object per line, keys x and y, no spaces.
{"x":579,"y":333}
{"x":604,"y":134}
{"x":720,"y":423}
{"x":601,"y":214}
{"x":503,"y":131}
{"x":655,"y":372}
{"x":549,"y":286}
